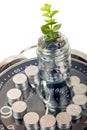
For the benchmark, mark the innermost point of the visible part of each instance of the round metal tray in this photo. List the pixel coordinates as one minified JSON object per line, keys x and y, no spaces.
{"x":79,"y":69}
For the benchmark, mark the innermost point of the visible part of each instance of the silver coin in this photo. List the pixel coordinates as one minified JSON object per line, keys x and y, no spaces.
{"x":63,"y":120}
{"x":31,"y":120}
{"x":74,"y":80}
{"x":19,"y":109}
{"x":13,"y":95}
{"x":80,"y":89}
{"x":20,"y":81}
{"x":74,"y":110}
{"x":47,"y":122}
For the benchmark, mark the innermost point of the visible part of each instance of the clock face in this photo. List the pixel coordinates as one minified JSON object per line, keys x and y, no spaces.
{"x":33,"y":101}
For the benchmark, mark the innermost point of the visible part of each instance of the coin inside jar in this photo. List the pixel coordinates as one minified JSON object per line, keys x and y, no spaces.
{"x":63,"y":120}
{"x":74,"y":110}
{"x":19,"y":109}
{"x":74,"y":80}
{"x":79,"y":99}
{"x":20,"y":81}
{"x":13,"y":95}
{"x":80,"y":89}
{"x":31,"y":121}
{"x":48,"y":122}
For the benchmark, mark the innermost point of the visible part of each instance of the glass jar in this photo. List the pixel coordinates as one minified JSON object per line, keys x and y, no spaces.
{"x":54,"y":62}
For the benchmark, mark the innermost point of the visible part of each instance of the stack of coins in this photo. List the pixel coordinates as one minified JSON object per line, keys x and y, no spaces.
{"x":48,"y":122}
{"x":80,"y":89}
{"x":63,"y":120}
{"x":20,"y":81}
{"x":74,"y":110}
{"x":32,"y":74}
{"x":80,"y":99}
{"x":13,"y":95}
{"x":74,"y":80}
{"x":31,"y":121}
{"x":19,"y":109}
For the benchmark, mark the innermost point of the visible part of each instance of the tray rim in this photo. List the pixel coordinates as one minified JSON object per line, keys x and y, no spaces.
{"x":26,"y":60}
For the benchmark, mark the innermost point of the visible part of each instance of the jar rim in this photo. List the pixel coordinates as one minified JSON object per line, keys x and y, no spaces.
{"x":58,"y":51}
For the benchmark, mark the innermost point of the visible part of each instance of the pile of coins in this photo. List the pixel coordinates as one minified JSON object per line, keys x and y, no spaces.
{"x":17,"y":105}
{"x":79,"y":91}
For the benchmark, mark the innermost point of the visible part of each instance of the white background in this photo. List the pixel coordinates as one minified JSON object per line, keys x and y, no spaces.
{"x":20,"y":22}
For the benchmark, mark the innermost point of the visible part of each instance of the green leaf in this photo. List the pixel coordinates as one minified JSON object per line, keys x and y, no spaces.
{"x":53,"y":13}
{"x":50,"y":20}
{"x":45,"y":29}
{"x":51,"y":23}
{"x":56,"y":27}
{"x":48,"y":39}
{"x":50,"y":29}
{"x":51,"y":36}
{"x":55,"y":34}
{"x":46,"y":15}
{"x":46,"y":7}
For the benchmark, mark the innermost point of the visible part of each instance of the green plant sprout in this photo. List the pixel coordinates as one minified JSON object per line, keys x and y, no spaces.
{"x":50,"y":29}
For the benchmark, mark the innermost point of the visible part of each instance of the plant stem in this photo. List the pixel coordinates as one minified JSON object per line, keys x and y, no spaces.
{"x":51,"y":24}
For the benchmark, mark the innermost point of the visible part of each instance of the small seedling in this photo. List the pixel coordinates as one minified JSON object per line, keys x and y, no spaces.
{"x":50,"y":29}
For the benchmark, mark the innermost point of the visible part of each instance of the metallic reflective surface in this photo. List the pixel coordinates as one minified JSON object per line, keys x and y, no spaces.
{"x":34,"y":103}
